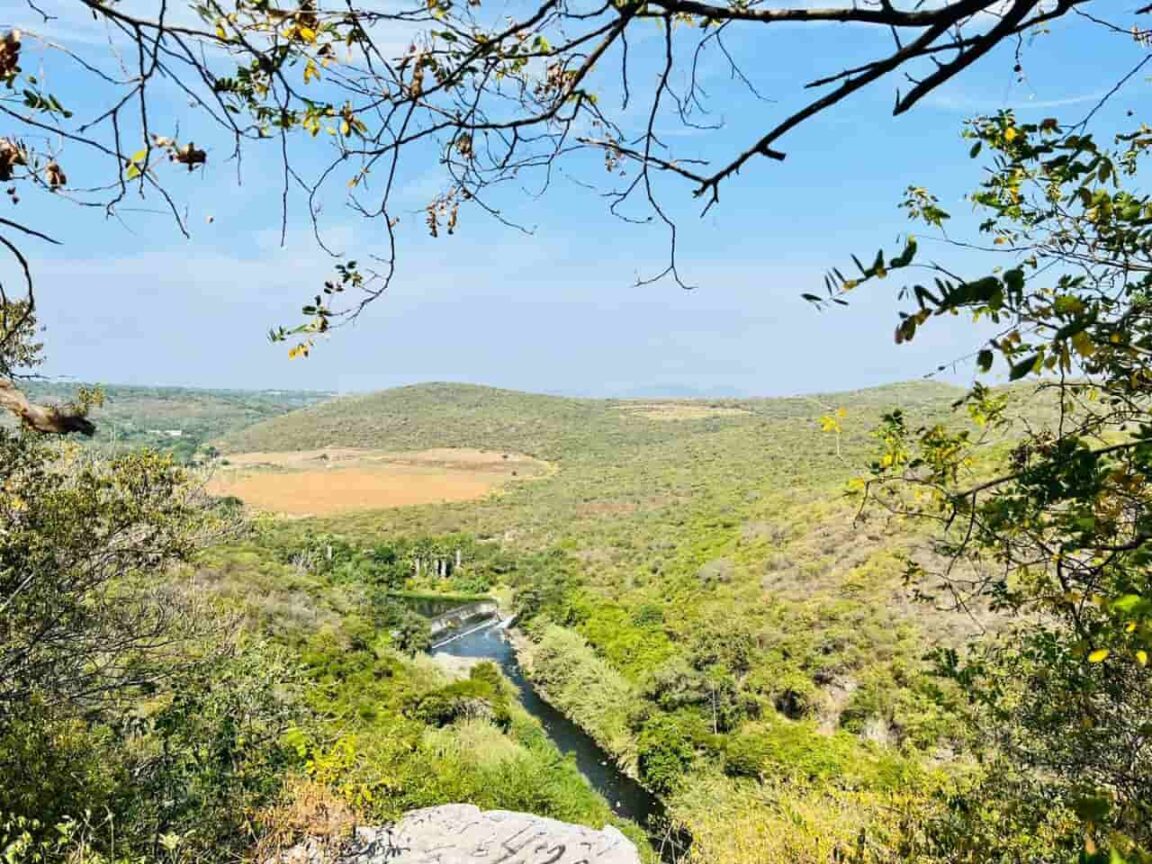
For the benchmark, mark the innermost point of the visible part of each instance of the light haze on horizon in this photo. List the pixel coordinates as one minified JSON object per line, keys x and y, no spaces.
{"x":558,"y":310}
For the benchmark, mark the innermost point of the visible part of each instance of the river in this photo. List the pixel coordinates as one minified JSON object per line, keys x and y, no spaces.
{"x":626,"y":797}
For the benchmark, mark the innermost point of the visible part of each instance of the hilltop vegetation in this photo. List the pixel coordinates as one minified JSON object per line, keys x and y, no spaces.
{"x":692,"y":589}
{"x":695,"y":594}
{"x":178,"y":420}
{"x":550,"y":427}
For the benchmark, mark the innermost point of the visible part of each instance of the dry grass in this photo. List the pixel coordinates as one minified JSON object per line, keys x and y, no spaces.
{"x":307,"y":812}
{"x":339,"y":480}
{"x":681,"y":410}
{"x":733,"y":823}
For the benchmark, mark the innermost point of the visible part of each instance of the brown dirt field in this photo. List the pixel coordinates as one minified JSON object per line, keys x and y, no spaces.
{"x":336,"y":480}
{"x":680,"y":411}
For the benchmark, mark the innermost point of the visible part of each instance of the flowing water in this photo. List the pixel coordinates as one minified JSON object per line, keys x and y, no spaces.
{"x":626,"y":797}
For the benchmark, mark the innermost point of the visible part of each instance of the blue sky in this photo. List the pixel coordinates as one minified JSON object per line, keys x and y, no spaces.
{"x":131,"y":301}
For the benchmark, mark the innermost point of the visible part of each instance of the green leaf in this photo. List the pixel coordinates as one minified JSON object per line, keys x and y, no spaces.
{"x":1092,"y":808}
{"x":1126,"y":603}
{"x":1024,"y":367}
{"x":1014,"y":279}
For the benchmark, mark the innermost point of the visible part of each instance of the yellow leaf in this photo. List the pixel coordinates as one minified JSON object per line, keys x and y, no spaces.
{"x":306,"y":33}
{"x":829,"y":424}
{"x":1099,"y":655}
{"x":1131,"y":628}
{"x":1083,"y":344}
{"x":221,"y":33}
{"x":310,"y":71}
{"x":1142,"y":658}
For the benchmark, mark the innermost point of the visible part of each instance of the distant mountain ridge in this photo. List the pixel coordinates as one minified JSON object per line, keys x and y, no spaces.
{"x":439,"y":414}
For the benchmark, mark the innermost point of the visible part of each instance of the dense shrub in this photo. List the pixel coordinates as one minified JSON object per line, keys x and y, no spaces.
{"x":746,"y":754}
{"x":123,"y":691}
{"x":665,"y":750}
{"x":482,"y":695}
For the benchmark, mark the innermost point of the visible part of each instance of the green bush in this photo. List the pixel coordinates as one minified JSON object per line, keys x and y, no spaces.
{"x":665,"y":751}
{"x":746,"y":754}
{"x":482,"y":694}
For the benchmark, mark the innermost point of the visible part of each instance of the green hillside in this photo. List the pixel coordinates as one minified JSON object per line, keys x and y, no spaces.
{"x":551,"y":427}
{"x":695,"y":591}
{"x":692,"y":584}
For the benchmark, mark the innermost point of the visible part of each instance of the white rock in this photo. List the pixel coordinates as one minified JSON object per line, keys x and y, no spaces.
{"x":465,"y":834}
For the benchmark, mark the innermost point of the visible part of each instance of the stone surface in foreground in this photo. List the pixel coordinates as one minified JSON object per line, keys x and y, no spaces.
{"x":465,"y":834}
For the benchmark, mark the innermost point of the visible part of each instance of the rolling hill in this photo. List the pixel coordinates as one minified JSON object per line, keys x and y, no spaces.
{"x":550,"y":427}
{"x":695,"y":588}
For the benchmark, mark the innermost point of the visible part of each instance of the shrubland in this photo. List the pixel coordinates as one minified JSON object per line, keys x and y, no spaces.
{"x":698,"y":594}
{"x":941,"y":658}
{"x":134,"y":721}
{"x":693,"y":593}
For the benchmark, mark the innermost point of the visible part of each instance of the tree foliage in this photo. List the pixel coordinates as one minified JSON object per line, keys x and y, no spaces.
{"x":135,"y":721}
{"x":1051,"y":523}
{"x":487,"y":96}
{"x":82,"y":541}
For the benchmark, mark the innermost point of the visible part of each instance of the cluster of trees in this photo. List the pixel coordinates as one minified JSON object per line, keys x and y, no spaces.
{"x":1050,"y":525}
{"x":455,"y":562}
{"x":136,"y":720}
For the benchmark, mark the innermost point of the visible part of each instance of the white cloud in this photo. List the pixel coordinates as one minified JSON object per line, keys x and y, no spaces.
{"x":966,"y":103}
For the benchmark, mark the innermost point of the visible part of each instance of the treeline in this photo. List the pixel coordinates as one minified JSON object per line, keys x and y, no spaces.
{"x":176,"y":685}
{"x":138,"y":721}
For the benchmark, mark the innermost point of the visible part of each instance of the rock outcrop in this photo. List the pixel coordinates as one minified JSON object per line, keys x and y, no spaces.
{"x":465,"y":834}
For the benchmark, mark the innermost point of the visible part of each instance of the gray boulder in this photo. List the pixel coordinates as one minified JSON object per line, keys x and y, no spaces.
{"x":465,"y":834}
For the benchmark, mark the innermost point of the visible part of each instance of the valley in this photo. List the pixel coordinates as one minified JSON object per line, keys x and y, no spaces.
{"x":693,"y":594}
{"x":628,"y":613}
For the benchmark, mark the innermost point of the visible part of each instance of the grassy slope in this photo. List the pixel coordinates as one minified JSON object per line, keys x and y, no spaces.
{"x":674,"y":530}
{"x":551,"y":427}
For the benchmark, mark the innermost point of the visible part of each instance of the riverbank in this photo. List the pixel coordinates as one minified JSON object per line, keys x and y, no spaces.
{"x":668,"y":838}
{"x":523,"y":646}
{"x":625,"y":797}
{"x":583,"y":686}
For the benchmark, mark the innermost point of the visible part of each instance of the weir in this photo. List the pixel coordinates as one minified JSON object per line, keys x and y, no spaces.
{"x":462,"y":617}
{"x":493,"y":622}
{"x":447,"y":613}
